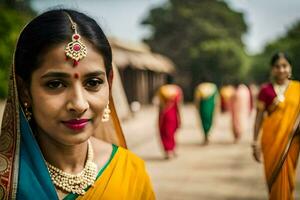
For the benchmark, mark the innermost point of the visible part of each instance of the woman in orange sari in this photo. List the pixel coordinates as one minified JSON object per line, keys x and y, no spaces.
{"x":278,"y":120}
{"x":59,"y":98}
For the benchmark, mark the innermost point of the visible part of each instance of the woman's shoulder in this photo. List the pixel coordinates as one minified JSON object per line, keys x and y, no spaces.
{"x":295,"y":82}
{"x":104,"y":150}
{"x":131,"y":157}
{"x":266,"y":87}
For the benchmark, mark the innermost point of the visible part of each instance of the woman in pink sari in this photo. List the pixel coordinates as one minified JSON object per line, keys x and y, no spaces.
{"x":240,"y":111}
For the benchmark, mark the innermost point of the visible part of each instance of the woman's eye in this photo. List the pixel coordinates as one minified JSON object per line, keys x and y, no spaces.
{"x":94,"y":83}
{"x":54,"y":84}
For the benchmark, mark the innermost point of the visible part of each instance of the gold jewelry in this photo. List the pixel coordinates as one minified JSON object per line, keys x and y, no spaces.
{"x":106,"y":112}
{"x":255,"y":146}
{"x":75,"y":49}
{"x":27,"y":112}
{"x":75,"y":183}
{"x":280,"y":90}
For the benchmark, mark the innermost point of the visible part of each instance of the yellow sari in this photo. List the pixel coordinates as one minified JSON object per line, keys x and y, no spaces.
{"x":281,"y":144}
{"x":125,"y":178}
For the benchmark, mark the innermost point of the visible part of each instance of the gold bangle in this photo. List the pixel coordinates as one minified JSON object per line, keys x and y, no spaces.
{"x":254,"y":144}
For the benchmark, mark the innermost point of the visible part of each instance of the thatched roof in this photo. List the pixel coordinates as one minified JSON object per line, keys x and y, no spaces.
{"x":139,"y":56}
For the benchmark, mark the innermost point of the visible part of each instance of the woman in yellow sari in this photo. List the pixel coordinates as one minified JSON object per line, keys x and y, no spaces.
{"x":59,"y":97}
{"x":278,"y":120}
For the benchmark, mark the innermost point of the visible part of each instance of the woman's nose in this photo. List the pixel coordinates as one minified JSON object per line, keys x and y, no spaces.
{"x":78,"y":102}
{"x":281,"y":68}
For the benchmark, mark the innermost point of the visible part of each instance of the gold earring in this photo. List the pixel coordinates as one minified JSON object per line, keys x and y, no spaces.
{"x":106,"y":112}
{"x":27,"y":112}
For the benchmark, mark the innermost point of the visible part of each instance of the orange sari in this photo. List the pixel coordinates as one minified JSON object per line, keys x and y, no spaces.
{"x":124,"y":178}
{"x":281,"y":144}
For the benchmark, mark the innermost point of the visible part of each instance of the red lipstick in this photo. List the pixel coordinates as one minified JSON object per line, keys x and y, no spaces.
{"x":76,"y":124}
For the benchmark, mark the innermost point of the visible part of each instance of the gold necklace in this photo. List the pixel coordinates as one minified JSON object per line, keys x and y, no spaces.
{"x":75,"y":183}
{"x":280,"y":90}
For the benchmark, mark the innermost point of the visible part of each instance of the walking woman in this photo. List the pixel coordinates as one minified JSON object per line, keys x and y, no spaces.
{"x":205,"y":99}
{"x":170,"y":97}
{"x":278,"y":120}
{"x":240,"y":111}
{"x":59,"y":95}
{"x":226,"y":93}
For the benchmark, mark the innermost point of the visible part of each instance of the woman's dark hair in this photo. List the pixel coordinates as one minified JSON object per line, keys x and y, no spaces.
{"x":278,"y":55}
{"x":52,"y":28}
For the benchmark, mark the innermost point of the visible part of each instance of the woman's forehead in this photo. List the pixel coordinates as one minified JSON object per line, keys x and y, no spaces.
{"x":282,"y":60}
{"x":55,"y":59}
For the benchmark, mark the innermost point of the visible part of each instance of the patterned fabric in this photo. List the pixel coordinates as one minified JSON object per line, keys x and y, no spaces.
{"x":10,"y":143}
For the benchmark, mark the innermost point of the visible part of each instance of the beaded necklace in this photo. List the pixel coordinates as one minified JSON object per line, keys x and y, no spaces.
{"x":280,"y":90}
{"x":75,"y":183}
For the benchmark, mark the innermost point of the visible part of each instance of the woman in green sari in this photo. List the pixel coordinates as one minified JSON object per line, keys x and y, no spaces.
{"x":205,"y":101}
{"x":59,"y":97}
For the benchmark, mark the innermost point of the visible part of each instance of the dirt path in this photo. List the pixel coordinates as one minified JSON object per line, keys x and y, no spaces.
{"x":219,"y":171}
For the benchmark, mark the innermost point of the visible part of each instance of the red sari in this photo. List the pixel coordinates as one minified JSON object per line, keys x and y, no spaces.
{"x":169,"y":121}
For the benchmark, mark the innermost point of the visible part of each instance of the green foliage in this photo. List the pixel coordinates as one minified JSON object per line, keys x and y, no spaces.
{"x":289,"y":43}
{"x":201,"y":36}
{"x":11,"y":23}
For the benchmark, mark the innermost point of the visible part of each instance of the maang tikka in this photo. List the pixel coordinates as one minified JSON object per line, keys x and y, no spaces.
{"x":75,"y":49}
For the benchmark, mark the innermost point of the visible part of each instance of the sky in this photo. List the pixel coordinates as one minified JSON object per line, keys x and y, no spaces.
{"x":267,"y":19}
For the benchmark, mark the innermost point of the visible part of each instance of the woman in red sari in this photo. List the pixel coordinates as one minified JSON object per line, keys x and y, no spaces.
{"x":278,"y":120}
{"x":170,"y":96}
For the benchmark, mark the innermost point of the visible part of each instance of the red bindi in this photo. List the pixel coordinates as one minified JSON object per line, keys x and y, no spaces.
{"x":76,"y":75}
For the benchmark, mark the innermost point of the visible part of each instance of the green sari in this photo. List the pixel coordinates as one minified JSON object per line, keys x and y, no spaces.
{"x":205,"y":98}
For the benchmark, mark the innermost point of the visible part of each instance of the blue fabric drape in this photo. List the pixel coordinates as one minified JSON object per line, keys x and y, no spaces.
{"x":34,"y":179}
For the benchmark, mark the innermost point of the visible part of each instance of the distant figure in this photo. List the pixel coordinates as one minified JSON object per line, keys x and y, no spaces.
{"x":277,"y":118}
{"x":226,"y":93}
{"x":170,"y":96}
{"x":205,"y":101}
{"x":240,"y":110}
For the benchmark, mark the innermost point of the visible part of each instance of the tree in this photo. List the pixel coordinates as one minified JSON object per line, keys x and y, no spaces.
{"x":289,"y":43}
{"x":203,"y":37}
{"x":11,"y":23}
{"x":21,"y":5}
